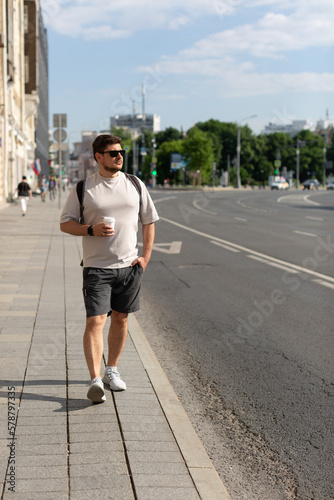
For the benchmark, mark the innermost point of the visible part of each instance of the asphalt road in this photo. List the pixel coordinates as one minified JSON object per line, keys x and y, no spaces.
{"x":237,"y":304}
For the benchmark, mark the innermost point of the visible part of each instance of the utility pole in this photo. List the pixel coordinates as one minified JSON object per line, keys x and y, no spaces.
{"x":238,"y":159}
{"x":297,"y":164}
{"x":324,"y":167}
{"x":213,"y":173}
{"x":239,"y":149}
{"x":143,"y":150}
{"x":153,"y":164}
{"x":60,"y":122}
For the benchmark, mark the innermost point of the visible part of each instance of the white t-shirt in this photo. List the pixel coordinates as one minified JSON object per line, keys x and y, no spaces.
{"x":118,"y":198}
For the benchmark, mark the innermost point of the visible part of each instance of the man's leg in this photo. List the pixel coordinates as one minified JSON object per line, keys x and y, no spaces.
{"x":118,"y":332}
{"x":93,"y":344}
{"x":23,"y":204}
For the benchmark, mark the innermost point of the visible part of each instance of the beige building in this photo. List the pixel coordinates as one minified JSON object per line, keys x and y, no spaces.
{"x":18,"y":104}
{"x":81,"y":163}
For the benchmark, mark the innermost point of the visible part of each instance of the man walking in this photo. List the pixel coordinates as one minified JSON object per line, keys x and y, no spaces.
{"x":24,"y":191}
{"x":112,"y":267}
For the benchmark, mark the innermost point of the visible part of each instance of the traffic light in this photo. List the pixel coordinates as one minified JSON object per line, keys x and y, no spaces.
{"x":154,"y":172}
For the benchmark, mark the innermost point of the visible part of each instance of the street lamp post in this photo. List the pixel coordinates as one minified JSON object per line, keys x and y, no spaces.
{"x":153,"y":164}
{"x":324,"y":167}
{"x":297,"y":164}
{"x":238,"y":159}
{"x":239,"y":149}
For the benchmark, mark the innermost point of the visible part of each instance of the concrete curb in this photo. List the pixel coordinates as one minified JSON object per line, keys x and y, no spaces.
{"x":203,"y":474}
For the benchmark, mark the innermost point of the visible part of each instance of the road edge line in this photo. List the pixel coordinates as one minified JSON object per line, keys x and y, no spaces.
{"x":201,"y":469}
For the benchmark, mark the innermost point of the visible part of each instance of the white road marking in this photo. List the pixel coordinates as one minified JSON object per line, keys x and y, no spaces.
{"x":306,"y":234}
{"x":324,"y":283}
{"x":196,"y":204}
{"x":297,"y":197}
{"x":274,"y":264}
{"x":289,"y":197}
{"x":252,"y":252}
{"x":171,"y":248}
{"x":225,"y":246}
{"x":165,"y":199}
{"x":314,"y":218}
{"x":256,"y":209}
{"x":239,"y":218}
{"x":311,"y":201}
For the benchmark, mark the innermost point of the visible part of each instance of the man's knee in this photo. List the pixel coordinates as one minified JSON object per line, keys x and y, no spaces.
{"x":119,"y":317}
{"x":95,"y":322}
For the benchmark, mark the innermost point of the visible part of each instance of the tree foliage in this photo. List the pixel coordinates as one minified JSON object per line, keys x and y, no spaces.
{"x":199,"y":154}
{"x":215,"y":141}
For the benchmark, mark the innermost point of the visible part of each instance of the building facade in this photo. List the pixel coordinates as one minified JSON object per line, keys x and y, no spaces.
{"x":136,"y":123}
{"x":19,"y":92}
{"x":292,"y":128}
{"x":81,"y":162}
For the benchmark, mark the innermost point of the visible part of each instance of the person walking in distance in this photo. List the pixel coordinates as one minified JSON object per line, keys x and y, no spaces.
{"x":24,"y":192}
{"x":112,"y":267}
{"x":43,"y":187}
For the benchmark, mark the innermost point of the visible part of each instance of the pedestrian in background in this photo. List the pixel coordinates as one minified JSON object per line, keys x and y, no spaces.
{"x":113,"y":269}
{"x":43,"y":187}
{"x":52,"y":188}
{"x":24,"y":192}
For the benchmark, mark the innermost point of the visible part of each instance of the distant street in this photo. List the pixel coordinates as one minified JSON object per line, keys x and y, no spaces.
{"x":237,"y":304}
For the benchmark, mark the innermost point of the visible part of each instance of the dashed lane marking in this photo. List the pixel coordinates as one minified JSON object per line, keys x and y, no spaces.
{"x":273,"y":264}
{"x":324,"y":283}
{"x":306,"y":234}
{"x":225,"y":246}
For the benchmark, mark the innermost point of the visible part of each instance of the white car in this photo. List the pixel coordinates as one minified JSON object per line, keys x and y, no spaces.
{"x":280,"y":185}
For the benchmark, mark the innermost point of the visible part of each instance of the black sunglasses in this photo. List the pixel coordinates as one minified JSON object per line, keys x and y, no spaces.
{"x":114,"y":152}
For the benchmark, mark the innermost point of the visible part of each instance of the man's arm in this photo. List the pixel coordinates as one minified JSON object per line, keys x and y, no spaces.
{"x":74,"y":228}
{"x":148,"y":240}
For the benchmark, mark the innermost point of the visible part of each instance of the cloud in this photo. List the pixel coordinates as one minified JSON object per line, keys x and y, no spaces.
{"x":79,"y":18}
{"x":240,"y":59}
{"x":236,"y":58}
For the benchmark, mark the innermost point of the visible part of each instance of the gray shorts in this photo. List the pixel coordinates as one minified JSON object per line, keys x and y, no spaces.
{"x":105,"y":290}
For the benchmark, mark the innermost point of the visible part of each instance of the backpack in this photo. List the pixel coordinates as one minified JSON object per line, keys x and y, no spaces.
{"x":80,"y":187}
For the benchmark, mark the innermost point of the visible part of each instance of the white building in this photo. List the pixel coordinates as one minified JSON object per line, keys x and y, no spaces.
{"x":136,"y":123}
{"x":292,"y":128}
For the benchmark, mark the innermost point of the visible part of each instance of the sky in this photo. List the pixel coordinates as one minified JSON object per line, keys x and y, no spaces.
{"x":244,"y":61}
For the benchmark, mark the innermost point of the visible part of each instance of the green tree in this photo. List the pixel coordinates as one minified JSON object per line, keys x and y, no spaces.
{"x":267,"y":149}
{"x":124,"y":134}
{"x":164,"y":161}
{"x":168,"y":135}
{"x":214,"y":130}
{"x":199,"y":154}
{"x":311,"y":155}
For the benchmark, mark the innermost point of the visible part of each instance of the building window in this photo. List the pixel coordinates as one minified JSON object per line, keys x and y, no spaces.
{"x":26,"y":69}
{"x":26,"y":21}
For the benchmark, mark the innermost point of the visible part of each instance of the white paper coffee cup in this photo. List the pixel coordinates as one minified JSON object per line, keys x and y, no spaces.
{"x":109,"y":221}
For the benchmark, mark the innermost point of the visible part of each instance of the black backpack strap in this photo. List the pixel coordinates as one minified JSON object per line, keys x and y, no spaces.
{"x":136,"y":183}
{"x":81,"y":193}
{"x":80,"y":187}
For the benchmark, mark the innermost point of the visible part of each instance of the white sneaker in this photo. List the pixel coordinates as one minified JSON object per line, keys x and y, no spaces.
{"x":96,"y":391}
{"x":113,"y":379}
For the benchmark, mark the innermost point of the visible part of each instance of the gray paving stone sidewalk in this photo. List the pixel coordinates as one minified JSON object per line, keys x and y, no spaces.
{"x":64,"y":447}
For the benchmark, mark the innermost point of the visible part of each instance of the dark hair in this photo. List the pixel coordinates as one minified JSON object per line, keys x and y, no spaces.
{"x":104,"y":140}
{"x":24,"y":178}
